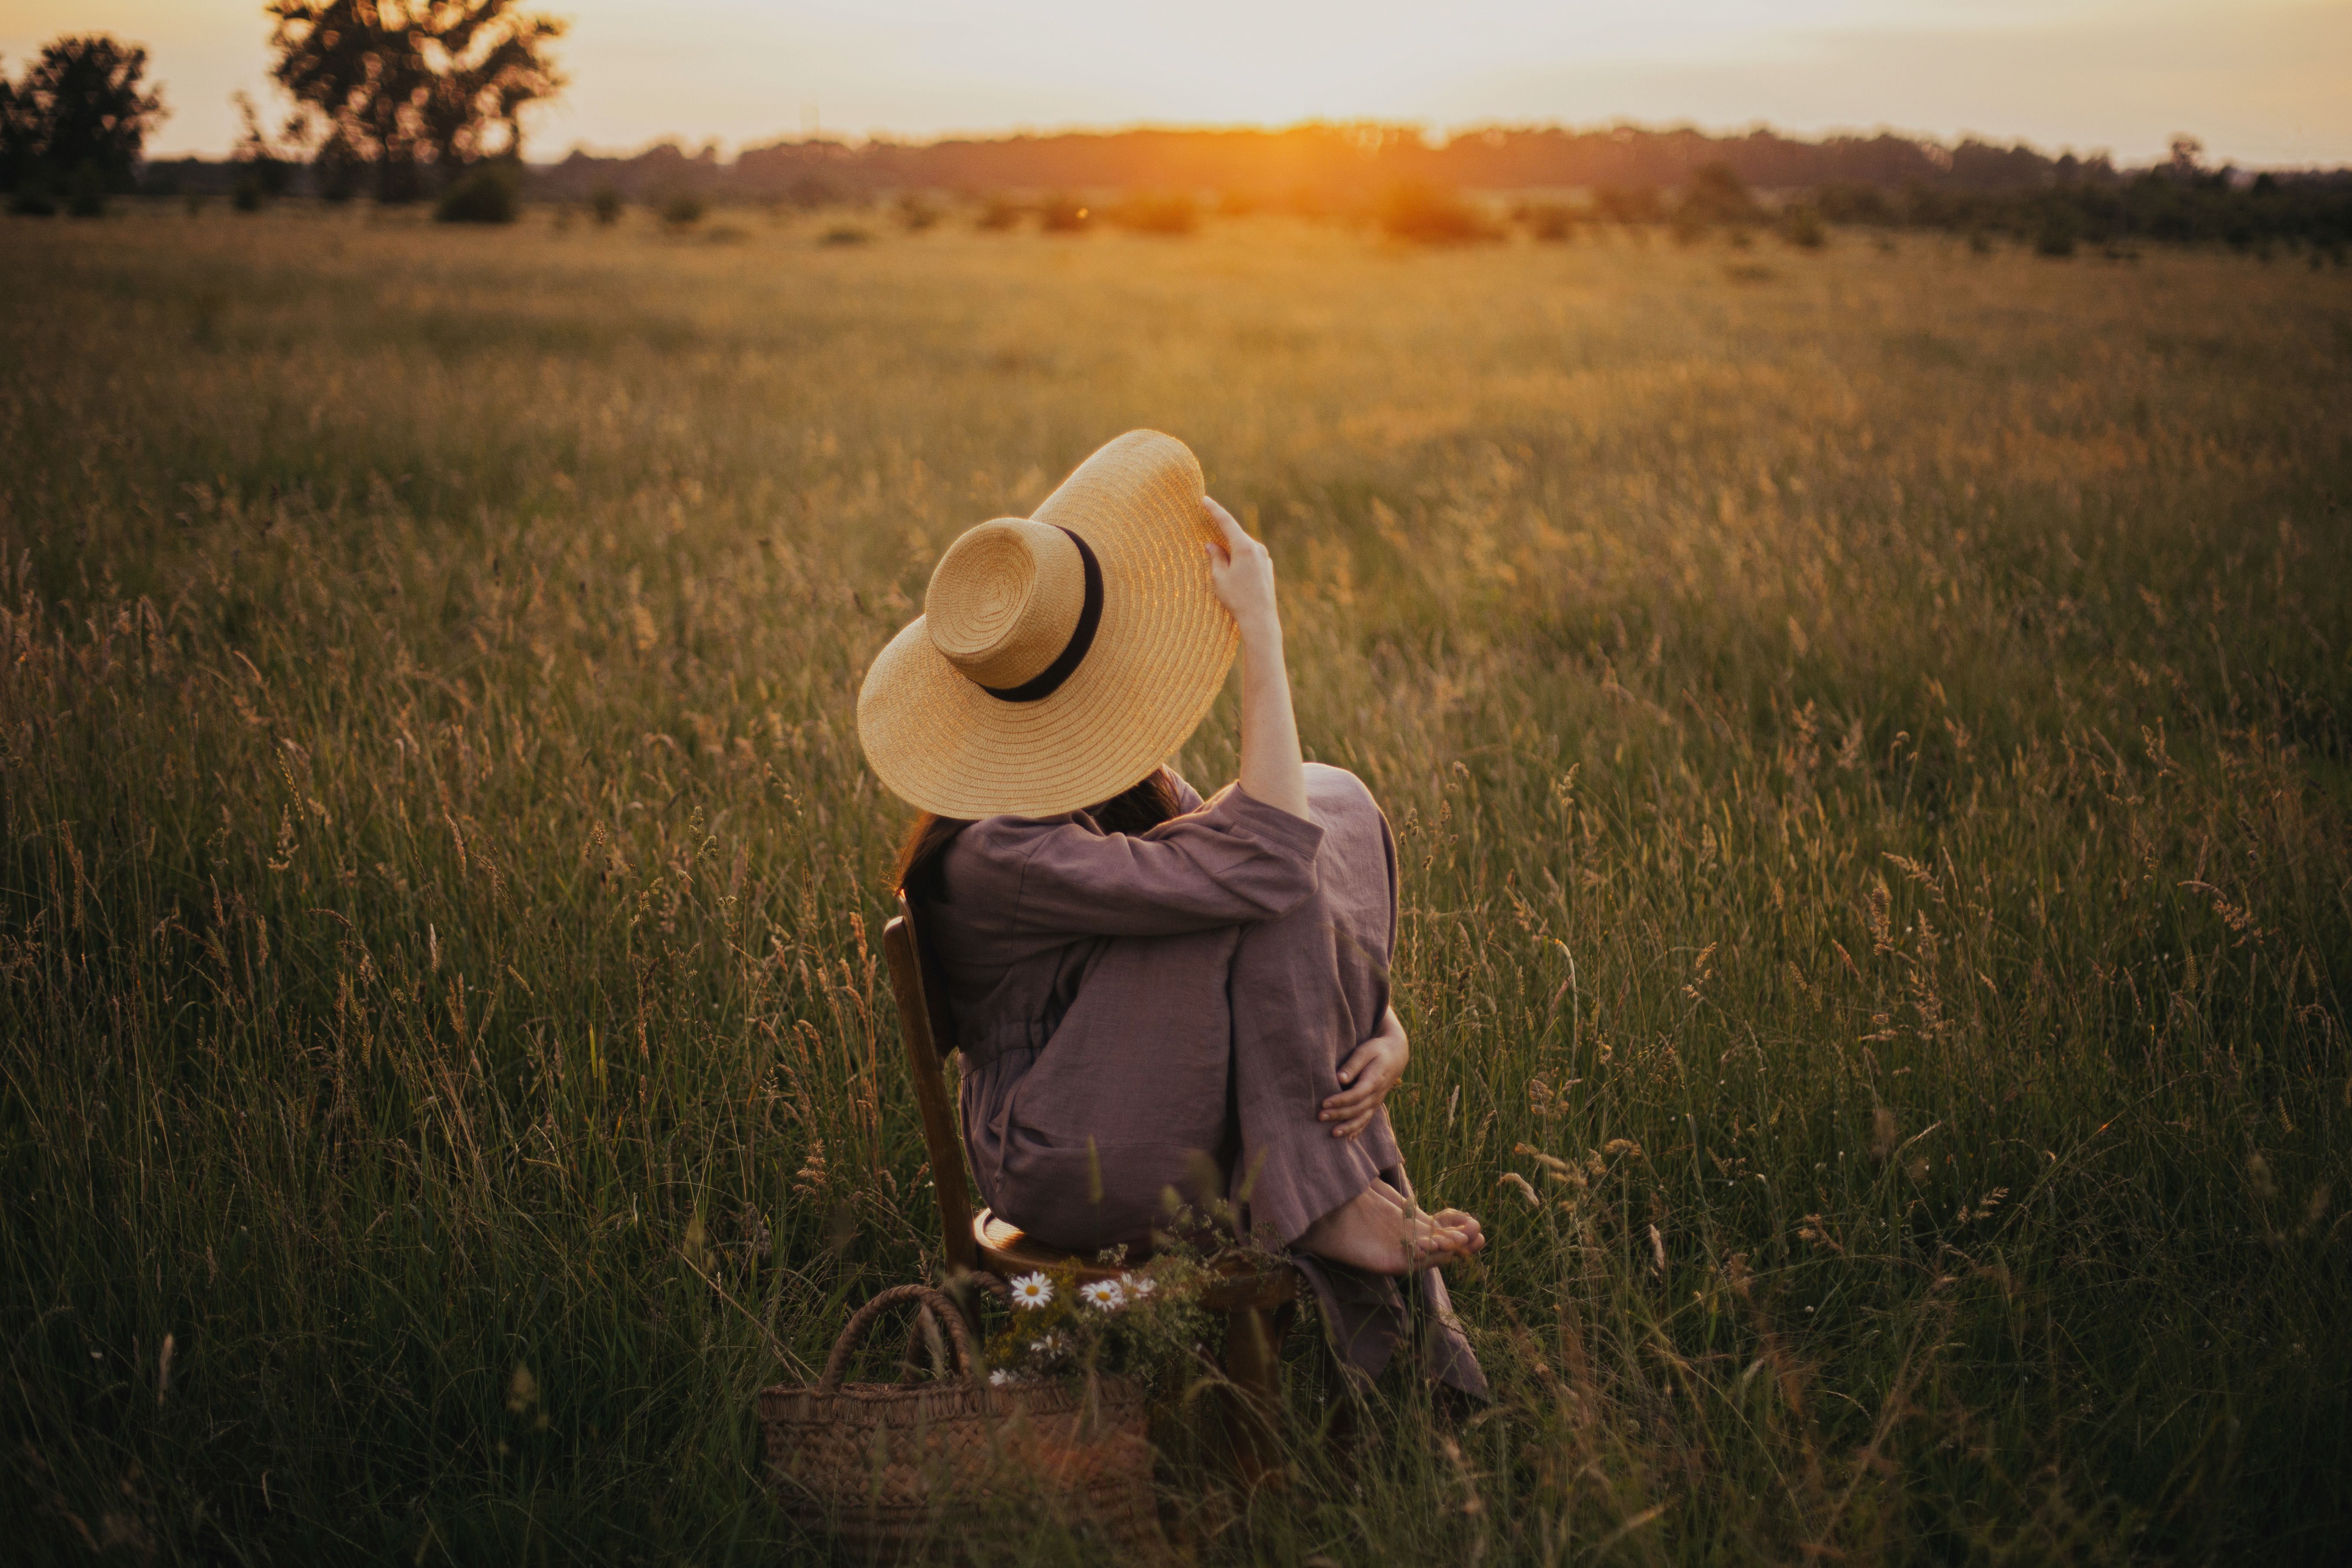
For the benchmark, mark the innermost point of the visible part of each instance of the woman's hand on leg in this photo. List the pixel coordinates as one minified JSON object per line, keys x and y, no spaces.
{"x":1371,"y":1070}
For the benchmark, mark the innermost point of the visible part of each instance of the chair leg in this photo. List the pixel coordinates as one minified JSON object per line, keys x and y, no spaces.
{"x":1253,"y":1402}
{"x":965,"y":1292}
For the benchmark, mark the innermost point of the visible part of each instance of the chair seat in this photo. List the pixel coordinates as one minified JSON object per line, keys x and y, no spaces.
{"x":1005,"y":1249}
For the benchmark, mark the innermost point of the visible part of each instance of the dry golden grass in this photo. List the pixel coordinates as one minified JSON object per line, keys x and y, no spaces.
{"x":1867,"y":733}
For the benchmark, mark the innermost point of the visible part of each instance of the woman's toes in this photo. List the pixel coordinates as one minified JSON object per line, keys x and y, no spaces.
{"x":1464,"y":1228}
{"x":1437,"y":1247}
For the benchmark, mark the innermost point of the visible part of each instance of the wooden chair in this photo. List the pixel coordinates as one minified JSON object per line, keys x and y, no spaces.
{"x":1258,"y":1303}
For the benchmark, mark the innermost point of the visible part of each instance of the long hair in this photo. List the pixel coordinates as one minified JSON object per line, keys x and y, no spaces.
{"x":1139,"y":809}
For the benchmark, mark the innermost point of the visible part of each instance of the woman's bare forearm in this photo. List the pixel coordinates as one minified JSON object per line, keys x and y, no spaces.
{"x":1242,"y":574}
{"x":1273,"y":768}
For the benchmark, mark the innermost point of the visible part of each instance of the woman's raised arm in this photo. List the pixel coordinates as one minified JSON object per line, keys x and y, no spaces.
{"x":1273,"y":768}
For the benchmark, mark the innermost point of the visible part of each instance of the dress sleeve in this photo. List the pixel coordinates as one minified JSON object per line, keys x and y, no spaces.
{"x":1234,"y":861}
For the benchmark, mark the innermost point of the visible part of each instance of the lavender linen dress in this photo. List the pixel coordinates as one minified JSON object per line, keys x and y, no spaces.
{"x":1126,"y":1005}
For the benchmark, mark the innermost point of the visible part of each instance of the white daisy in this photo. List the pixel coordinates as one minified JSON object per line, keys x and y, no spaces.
{"x":1000,"y":1377}
{"x":1104,"y":1295}
{"x":1138,"y":1285}
{"x":1032,"y":1290}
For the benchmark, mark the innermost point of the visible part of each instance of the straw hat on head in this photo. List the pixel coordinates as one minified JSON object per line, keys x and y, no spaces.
{"x":1060,"y":657}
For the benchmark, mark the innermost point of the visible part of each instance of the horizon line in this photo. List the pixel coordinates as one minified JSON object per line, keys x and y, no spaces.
{"x":1438,"y":136}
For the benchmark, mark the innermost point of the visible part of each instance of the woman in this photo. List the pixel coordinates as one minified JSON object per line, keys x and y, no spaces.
{"x":1158,"y":1000}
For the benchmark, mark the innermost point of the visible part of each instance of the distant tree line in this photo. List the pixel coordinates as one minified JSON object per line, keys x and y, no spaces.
{"x":1627,"y":175}
{"x":1623,"y":176}
{"x":1327,"y":166}
{"x":402,"y":99}
{"x":2180,"y":201}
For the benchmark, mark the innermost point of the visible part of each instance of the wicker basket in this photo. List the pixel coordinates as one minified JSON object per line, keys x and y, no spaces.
{"x":909,"y":1469}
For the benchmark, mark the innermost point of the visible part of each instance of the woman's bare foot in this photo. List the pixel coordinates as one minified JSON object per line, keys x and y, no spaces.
{"x":1380,"y":1233}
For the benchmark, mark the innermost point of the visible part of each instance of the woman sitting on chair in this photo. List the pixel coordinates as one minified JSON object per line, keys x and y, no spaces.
{"x":1159,"y":1000}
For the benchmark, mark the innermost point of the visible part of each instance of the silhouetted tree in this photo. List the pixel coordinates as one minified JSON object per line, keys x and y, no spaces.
{"x":15,"y":136}
{"x":263,"y":172}
{"x":78,"y":119}
{"x":410,"y":86}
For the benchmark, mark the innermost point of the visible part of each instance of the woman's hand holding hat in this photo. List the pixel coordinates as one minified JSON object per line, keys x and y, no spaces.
{"x":1241,"y":573}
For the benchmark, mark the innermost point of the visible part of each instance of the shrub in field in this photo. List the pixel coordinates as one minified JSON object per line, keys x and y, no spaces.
{"x":681,"y":209}
{"x":1426,"y":213}
{"x":1168,"y":212}
{"x":812,"y":191}
{"x":1854,"y":204}
{"x":2058,"y":232}
{"x":1548,"y":221}
{"x":1627,"y":205}
{"x":489,"y":191}
{"x":1715,"y":194}
{"x":1063,"y":214}
{"x":917,"y":212}
{"x":1800,"y":226}
{"x":34,"y":197}
{"x":604,"y":203}
{"x":845,"y":234}
{"x":998,"y":214}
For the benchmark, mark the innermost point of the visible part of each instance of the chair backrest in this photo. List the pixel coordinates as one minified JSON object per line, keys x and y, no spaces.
{"x":928,"y":1028}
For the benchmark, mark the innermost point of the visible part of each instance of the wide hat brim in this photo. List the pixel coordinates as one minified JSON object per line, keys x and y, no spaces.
{"x":1159,"y":657}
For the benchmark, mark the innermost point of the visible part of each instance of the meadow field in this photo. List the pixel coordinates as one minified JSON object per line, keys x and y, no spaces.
{"x":1869,"y":730}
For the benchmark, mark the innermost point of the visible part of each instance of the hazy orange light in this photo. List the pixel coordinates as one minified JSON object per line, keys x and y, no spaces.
{"x":2259,"y":79}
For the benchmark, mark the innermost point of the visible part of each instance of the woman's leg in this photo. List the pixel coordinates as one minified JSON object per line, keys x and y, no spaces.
{"x":1132,"y":1098}
{"x":1146,"y":1089}
{"x":1306,"y":990}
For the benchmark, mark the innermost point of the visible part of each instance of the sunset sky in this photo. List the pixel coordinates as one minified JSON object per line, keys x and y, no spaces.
{"x":2262,"y":81}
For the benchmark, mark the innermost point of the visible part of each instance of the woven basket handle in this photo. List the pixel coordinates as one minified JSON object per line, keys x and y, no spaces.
{"x":940,"y":1306}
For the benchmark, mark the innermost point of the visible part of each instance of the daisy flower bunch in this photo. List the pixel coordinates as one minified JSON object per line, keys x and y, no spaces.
{"x":1113,"y":1316}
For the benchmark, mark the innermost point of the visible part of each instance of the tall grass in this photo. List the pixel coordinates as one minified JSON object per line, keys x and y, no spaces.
{"x":1869,"y":750}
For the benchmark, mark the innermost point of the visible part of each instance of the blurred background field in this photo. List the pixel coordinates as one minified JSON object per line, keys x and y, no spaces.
{"x":1866,"y":723}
